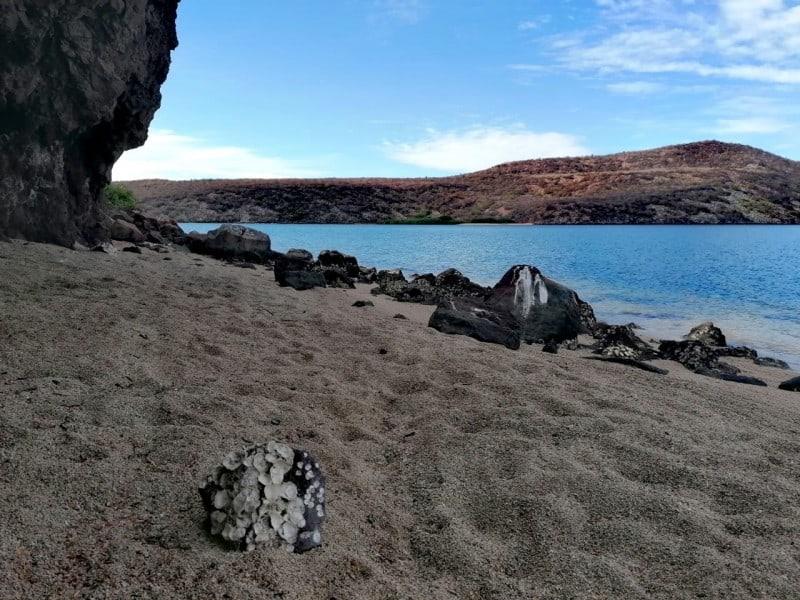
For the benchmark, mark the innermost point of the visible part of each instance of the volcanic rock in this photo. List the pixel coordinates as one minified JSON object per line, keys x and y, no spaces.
{"x":300,"y":254}
{"x":430,"y":289}
{"x":156,"y":230}
{"x":621,"y":341}
{"x":297,"y":273}
{"x":691,"y":354}
{"x":474,"y":318}
{"x":124,"y":231}
{"x":630,"y":362}
{"x":708,"y":333}
{"x":344,"y":263}
{"x":775,"y":363}
{"x":588,"y":318}
{"x":390,"y":282}
{"x":233,"y":242}
{"x":544,"y":309}
{"x":728,"y":376}
{"x":791,"y":385}
{"x":367,"y":274}
{"x":737,"y":352}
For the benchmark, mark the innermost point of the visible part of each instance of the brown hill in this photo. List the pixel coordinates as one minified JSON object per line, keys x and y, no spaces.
{"x":703,"y":182}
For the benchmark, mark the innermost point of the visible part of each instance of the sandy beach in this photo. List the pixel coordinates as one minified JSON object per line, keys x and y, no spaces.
{"x":455,"y":469}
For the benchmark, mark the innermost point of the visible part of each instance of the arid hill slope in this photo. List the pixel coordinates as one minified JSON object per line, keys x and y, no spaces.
{"x":704,"y":182}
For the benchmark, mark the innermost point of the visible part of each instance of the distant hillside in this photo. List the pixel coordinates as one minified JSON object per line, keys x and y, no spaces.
{"x":704,"y":182}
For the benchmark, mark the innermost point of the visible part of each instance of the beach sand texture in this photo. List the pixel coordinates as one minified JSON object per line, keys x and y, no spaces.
{"x":455,"y":469}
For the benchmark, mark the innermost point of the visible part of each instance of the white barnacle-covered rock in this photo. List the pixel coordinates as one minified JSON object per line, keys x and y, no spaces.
{"x":268,"y":493}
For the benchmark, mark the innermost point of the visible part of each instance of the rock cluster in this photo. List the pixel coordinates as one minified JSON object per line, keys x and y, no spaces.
{"x":79,"y":85}
{"x":703,"y":359}
{"x":268,"y":493}
{"x":297,"y":269}
{"x":132,"y":226}
{"x":429,"y":288}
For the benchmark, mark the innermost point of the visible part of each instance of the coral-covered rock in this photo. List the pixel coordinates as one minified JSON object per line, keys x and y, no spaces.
{"x":390,"y":282}
{"x":79,"y":85}
{"x":621,"y":341}
{"x":692,"y":354}
{"x":266,"y":494}
{"x":708,"y":333}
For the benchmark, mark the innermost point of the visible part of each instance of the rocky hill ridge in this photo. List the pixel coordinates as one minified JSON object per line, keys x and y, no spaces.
{"x":702,"y":182}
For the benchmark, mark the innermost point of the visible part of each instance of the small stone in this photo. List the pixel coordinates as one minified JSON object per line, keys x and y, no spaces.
{"x":401,"y":317}
{"x":383,"y":351}
{"x":132,"y":249}
{"x":363,"y":303}
{"x":106,"y":247}
{"x":550,"y":347}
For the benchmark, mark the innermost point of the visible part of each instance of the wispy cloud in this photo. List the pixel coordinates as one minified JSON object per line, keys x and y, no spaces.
{"x":753,"y":40}
{"x":169,"y":155}
{"x":535,"y":23}
{"x":635,"y":87}
{"x":405,"y":11}
{"x":482,"y":147}
{"x":751,"y":125}
{"x":755,"y":115}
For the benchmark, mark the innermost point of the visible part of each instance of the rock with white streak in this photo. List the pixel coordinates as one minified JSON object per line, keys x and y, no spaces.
{"x":546,"y":310}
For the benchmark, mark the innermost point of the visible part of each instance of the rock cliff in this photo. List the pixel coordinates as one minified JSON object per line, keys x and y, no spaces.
{"x":79,"y":84}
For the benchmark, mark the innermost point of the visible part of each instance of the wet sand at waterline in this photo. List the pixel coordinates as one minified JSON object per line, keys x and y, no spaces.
{"x":455,"y":469}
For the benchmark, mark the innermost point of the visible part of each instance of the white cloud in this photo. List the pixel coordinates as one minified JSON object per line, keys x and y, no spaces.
{"x":635,"y":87}
{"x":168,"y":155}
{"x":752,"y":40}
{"x":482,"y":147}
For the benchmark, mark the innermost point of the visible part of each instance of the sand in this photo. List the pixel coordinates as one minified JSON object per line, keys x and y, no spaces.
{"x":455,"y":469}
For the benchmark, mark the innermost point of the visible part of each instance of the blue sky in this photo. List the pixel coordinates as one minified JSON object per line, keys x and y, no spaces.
{"x":261,"y":88}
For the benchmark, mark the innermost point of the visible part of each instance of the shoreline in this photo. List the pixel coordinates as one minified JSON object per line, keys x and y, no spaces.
{"x":747,"y":324}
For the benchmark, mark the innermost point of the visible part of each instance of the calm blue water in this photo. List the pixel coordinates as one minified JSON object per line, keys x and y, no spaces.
{"x":665,"y":278}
